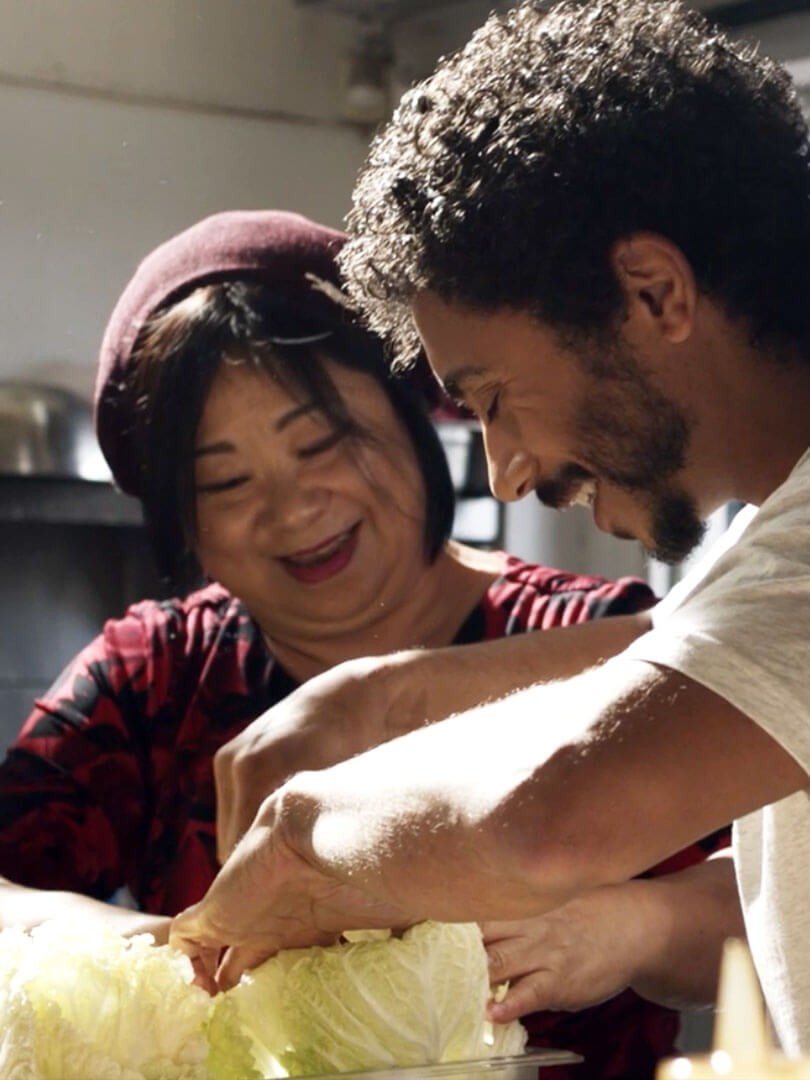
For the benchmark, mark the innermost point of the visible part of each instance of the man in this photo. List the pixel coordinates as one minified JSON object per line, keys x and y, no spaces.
{"x":597,"y":224}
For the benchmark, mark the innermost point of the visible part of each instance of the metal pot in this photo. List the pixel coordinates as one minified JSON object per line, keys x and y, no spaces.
{"x":47,"y":431}
{"x":517,"y":1067}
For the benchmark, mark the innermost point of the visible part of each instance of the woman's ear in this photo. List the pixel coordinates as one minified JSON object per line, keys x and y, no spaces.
{"x":658,"y":283}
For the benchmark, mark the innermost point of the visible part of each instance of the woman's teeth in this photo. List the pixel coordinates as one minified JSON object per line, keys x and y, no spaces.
{"x":311,"y":558}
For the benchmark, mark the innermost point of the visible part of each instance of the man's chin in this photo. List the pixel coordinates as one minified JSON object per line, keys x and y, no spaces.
{"x":623,"y":534}
{"x":675,"y":533}
{"x":649,"y":547}
{"x":677,"y":547}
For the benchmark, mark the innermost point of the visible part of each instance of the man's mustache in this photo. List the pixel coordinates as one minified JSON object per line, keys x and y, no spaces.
{"x":558,"y":491}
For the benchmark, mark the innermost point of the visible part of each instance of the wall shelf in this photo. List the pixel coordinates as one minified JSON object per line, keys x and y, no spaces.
{"x":65,"y":502}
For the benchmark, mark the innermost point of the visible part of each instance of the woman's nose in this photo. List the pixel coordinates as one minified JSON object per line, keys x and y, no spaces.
{"x":511,"y":474}
{"x":294,"y":506}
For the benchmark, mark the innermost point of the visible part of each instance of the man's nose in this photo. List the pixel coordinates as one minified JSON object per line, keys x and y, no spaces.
{"x":511,"y":473}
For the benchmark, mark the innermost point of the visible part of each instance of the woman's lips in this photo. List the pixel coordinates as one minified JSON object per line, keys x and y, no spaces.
{"x":318,"y":564}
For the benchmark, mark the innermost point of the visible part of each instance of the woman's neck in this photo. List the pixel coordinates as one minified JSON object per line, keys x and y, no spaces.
{"x":431,"y":616}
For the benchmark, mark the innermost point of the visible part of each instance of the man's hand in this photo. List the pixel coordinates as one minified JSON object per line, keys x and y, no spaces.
{"x":346,"y":710}
{"x":272,"y":894}
{"x":493,"y":815}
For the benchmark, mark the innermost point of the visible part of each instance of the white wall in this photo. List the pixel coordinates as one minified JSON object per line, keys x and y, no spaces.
{"x":124,"y":122}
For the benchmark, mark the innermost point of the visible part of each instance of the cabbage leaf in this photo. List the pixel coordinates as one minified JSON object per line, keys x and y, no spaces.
{"x":78,"y":1004}
{"x":412,"y":1000}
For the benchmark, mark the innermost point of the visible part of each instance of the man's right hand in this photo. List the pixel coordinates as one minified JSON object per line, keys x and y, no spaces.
{"x":273,"y":892}
{"x":346,"y":710}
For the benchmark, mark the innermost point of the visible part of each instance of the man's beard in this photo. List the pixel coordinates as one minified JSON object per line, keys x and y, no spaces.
{"x":637,"y":439}
{"x":676,"y":527}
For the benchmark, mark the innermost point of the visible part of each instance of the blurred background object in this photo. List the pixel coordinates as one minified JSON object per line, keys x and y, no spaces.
{"x":47,"y":431}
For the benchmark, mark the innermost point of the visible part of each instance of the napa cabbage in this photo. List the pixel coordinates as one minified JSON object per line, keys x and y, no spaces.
{"x":411,"y":1000}
{"x":78,"y":1004}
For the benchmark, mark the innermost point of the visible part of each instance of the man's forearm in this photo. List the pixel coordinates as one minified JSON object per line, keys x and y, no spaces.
{"x":439,"y":682}
{"x":491,"y":814}
{"x":530,"y":800}
{"x":361,"y":703}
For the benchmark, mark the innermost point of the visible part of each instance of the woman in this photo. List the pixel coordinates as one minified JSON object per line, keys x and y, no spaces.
{"x":277,"y":460}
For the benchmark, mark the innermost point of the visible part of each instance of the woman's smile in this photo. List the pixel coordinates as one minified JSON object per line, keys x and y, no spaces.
{"x":311,"y":566}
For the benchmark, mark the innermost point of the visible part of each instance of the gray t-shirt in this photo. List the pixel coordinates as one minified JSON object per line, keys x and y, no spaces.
{"x":739,"y":624}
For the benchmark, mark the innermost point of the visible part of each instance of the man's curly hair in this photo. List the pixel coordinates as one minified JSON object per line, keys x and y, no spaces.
{"x":506,"y":177}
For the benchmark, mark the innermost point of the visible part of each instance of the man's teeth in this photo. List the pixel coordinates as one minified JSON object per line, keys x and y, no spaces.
{"x":585,"y":494}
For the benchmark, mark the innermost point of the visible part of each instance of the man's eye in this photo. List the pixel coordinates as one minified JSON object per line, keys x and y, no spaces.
{"x":322,"y":445}
{"x":492,"y":408}
{"x":461,"y":404}
{"x":217,"y":486}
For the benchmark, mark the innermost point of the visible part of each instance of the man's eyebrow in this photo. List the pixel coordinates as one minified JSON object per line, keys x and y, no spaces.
{"x":454,"y":383}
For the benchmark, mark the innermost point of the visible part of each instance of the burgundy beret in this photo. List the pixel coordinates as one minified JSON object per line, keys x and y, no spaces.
{"x":272,"y":246}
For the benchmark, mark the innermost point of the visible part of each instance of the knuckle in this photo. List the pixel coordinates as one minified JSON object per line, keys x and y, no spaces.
{"x":226,"y":751}
{"x":221,"y":763}
{"x":497,"y":960}
{"x":534,"y":993}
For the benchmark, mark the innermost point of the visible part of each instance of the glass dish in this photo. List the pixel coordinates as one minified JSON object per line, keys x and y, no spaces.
{"x":516,"y":1067}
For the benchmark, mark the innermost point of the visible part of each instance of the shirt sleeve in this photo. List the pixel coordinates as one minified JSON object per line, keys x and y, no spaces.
{"x":530,"y":596}
{"x":740,"y":623}
{"x":74,"y":787}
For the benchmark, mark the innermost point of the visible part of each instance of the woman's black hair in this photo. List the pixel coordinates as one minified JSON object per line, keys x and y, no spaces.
{"x":176,"y":357}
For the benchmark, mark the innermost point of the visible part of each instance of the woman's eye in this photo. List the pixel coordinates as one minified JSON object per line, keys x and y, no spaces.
{"x":217,"y":486}
{"x":322,"y":445}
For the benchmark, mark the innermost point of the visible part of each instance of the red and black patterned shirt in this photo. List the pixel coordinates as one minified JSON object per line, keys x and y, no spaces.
{"x":110,"y":782}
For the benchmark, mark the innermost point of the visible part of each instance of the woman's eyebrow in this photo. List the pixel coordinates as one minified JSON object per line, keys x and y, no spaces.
{"x":292,"y":415}
{"x":225,"y":446}
{"x":222,"y":447}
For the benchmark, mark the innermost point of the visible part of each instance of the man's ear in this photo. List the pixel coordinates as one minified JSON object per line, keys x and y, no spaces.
{"x":658,"y":283}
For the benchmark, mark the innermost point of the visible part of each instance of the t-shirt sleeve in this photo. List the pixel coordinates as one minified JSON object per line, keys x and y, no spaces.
{"x":74,"y":784}
{"x":740,"y":624}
